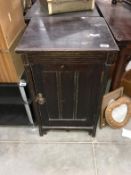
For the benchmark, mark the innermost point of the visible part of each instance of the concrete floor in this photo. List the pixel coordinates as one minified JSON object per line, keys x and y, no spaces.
{"x":23,"y":152}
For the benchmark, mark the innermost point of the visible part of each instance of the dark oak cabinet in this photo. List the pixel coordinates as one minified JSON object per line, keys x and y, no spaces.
{"x":67,"y":61}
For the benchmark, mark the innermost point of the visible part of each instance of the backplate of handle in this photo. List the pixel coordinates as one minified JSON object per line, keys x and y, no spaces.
{"x":40,"y":99}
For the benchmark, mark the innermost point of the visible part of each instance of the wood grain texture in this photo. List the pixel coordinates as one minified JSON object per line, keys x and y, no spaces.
{"x":7,"y":70}
{"x":105,"y":102}
{"x":11,"y":66}
{"x":11,"y":22}
{"x":11,"y":26}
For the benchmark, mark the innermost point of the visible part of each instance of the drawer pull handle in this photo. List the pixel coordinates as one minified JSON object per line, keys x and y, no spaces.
{"x":40,"y":99}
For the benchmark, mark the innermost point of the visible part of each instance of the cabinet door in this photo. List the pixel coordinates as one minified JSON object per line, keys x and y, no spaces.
{"x":71,"y":93}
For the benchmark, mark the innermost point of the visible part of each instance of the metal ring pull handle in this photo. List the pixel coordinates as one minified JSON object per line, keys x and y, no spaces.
{"x":40,"y":99}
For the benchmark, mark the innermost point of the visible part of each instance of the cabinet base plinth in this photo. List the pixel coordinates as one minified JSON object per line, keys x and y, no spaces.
{"x":89,"y":129}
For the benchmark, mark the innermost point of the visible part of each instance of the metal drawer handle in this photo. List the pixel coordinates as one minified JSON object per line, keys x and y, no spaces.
{"x":40,"y":99}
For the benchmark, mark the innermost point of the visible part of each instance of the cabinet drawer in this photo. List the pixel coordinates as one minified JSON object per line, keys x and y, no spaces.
{"x":68,"y":58}
{"x":66,"y":67}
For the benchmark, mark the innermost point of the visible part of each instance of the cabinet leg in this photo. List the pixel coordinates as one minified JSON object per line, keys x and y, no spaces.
{"x":93,"y":132}
{"x":41,"y":131}
{"x":44,"y":132}
{"x":67,"y":130}
{"x":90,"y":132}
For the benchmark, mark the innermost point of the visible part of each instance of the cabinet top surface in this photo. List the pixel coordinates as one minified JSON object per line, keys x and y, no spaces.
{"x":118,"y":18}
{"x":37,"y":10}
{"x":67,"y":34}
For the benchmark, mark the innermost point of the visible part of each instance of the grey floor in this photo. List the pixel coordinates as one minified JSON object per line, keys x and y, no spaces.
{"x":23,"y":152}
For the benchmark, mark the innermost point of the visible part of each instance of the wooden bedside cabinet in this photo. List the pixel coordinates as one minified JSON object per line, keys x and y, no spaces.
{"x":67,"y":60}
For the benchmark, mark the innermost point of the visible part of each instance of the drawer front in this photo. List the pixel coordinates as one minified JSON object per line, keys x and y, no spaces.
{"x":70,"y":93}
{"x":68,"y":57}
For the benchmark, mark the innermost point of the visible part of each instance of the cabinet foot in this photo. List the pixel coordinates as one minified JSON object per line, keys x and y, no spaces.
{"x":45,"y":132}
{"x":93,"y":133}
{"x":67,"y":130}
{"x":40,"y":131}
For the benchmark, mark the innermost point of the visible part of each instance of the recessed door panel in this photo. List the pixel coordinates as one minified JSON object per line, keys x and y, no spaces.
{"x":71,"y":93}
{"x":88,"y":93}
